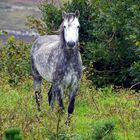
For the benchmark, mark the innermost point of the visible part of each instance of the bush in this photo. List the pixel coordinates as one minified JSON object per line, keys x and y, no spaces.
{"x":36,"y":25}
{"x":15,"y":61}
{"x":135,"y":73}
{"x":135,"y":69}
{"x":109,"y":33}
{"x":51,"y":15}
{"x":103,"y":130}
{"x":12,"y":134}
{"x":112,"y":51}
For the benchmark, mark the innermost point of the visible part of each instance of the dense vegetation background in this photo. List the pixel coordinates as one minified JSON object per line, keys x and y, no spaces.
{"x":109,"y":37}
{"x":110,"y":48}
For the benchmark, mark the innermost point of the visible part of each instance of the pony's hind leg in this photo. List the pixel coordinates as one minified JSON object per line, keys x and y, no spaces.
{"x":50,"y":95}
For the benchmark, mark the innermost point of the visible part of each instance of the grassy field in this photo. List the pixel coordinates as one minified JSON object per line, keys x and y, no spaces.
{"x":18,"y":109}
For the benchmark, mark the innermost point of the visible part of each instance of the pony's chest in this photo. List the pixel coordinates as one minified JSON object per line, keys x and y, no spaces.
{"x":70,"y":76}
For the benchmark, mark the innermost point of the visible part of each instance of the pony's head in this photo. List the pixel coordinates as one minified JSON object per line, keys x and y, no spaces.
{"x":71,"y":29}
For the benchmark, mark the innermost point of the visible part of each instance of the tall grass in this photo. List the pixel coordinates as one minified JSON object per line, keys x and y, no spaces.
{"x":18,"y":109}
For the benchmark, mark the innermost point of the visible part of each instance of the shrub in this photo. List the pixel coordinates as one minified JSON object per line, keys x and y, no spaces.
{"x":112,"y":52}
{"x":135,"y":73}
{"x":135,"y":69}
{"x":37,"y":25}
{"x":15,"y":61}
{"x":12,"y":134}
{"x":108,"y":35}
{"x":51,"y":15}
{"x":103,"y":130}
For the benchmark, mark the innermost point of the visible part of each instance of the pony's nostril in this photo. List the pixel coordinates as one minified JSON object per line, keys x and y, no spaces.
{"x":71,"y":44}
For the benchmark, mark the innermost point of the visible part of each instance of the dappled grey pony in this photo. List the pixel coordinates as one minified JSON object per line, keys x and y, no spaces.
{"x":57,"y":59}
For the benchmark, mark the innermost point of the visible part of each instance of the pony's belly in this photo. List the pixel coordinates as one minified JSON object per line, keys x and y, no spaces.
{"x":47,"y":73}
{"x":46,"y":63}
{"x":45,"y":69}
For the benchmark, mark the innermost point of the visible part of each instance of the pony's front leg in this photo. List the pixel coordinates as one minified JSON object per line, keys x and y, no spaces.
{"x":54,"y":91}
{"x":59,"y":93}
{"x":73,"y":94}
{"x":37,"y":91}
{"x":37,"y":84}
{"x":51,"y":97}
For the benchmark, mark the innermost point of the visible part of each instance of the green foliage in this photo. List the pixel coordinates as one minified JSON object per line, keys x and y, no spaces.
{"x":135,"y":72}
{"x":51,"y":16}
{"x":12,"y":134}
{"x":15,"y":61}
{"x":93,"y":110}
{"x":36,"y":25}
{"x":109,"y":34}
{"x":135,"y":67}
{"x":111,"y":52}
{"x":103,"y":130}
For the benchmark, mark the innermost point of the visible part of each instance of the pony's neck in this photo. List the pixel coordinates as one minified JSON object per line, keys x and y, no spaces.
{"x":62,"y":39}
{"x":69,"y":52}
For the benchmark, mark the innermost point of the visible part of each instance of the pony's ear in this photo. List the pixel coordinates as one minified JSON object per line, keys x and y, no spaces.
{"x":64,"y":14}
{"x":77,"y":13}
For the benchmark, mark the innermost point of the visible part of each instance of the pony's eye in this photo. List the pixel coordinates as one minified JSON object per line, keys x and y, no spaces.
{"x":78,"y":27}
{"x":64,"y":26}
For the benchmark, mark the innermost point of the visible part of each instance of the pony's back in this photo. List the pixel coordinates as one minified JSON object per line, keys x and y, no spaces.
{"x":46,"y":41}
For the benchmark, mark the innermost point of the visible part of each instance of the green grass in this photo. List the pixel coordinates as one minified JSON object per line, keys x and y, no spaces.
{"x":18,"y":109}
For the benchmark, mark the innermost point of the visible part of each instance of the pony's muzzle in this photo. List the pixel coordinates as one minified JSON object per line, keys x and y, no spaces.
{"x":71,"y":44}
